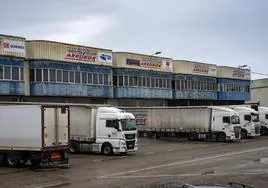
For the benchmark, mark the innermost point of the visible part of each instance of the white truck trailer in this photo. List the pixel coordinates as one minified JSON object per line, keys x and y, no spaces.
{"x":249,"y":119}
{"x":211,"y":122}
{"x":100,"y":129}
{"x":35,"y":133}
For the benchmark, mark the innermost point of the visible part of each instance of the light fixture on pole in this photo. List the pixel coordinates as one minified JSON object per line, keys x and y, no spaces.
{"x":156,"y":53}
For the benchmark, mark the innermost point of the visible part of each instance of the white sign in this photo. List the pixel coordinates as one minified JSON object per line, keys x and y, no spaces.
{"x":204,"y":69}
{"x":14,"y":46}
{"x":105,"y":57}
{"x":167,"y":65}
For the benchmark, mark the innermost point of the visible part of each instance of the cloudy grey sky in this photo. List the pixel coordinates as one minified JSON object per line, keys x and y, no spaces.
{"x":223,"y":32}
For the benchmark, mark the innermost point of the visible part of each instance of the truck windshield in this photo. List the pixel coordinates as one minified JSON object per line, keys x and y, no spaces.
{"x":235,"y":120}
{"x":128,"y":124}
{"x":255,"y":117}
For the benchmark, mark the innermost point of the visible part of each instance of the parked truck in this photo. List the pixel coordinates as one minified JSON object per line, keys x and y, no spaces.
{"x":35,"y":133}
{"x":98,"y":128}
{"x":250,"y":123}
{"x":101,"y":129}
{"x":263,"y":116}
{"x":211,"y":122}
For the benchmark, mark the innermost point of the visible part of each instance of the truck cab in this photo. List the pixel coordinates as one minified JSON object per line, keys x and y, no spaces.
{"x":116,"y":131}
{"x":226,"y":123}
{"x":250,"y":123}
{"x":263,"y":113}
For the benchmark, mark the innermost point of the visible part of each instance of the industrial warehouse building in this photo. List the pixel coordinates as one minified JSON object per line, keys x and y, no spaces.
{"x":57,"y":72}
{"x":259,"y":90}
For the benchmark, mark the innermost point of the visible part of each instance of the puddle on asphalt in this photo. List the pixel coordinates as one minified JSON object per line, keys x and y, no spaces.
{"x":264,"y":160}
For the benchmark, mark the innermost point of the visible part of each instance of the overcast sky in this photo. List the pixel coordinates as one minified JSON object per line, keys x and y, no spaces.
{"x":223,"y":32}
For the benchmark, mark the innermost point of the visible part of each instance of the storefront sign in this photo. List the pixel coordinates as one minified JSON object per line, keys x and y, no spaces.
{"x":241,"y":73}
{"x":12,"y":46}
{"x":133,"y":62}
{"x":105,"y":57}
{"x":141,"y":118}
{"x":167,"y":65}
{"x":204,"y":69}
{"x":149,"y":64}
{"x":81,"y":54}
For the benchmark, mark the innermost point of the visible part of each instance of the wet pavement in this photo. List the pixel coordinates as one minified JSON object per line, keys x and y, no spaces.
{"x":156,"y":162}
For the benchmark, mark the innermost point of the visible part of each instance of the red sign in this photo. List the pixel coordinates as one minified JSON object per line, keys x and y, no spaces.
{"x":150,"y":64}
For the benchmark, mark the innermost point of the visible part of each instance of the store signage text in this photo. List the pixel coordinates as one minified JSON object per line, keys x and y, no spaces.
{"x":241,"y":73}
{"x":204,"y":69}
{"x":81,"y":54}
{"x":13,"y":46}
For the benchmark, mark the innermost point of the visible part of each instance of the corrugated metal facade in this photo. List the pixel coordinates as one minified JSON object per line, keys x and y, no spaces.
{"x":194,"y":80}
{"x":233,"y":83}
{"x":73,"y":68}
{"x":141,"y":76}
{"x":12,"y":54}
{"x":55,"y":51}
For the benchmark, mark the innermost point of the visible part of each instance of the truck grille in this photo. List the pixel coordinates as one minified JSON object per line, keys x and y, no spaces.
{"x":257,"y":129}
{"x":130,"y":144}
{"x":130,"y":136}
{"x":237,"y":131}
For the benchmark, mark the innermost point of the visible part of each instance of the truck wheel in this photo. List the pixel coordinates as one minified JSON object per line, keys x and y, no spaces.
{"x":244,"y":134}
{"x":192,"y":136}
{"x":263,"y":131}
{"x":73,"y":147}
{"x":221,"y":137}
{"x":2,"y":159}
{"x":13,"y":160}
{"x":107,"y":149}
{"x":35,"y":162}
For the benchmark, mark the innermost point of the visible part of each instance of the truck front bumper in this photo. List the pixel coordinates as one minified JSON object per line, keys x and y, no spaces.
{"x":232,"y":137}
{"x":124,"y":147}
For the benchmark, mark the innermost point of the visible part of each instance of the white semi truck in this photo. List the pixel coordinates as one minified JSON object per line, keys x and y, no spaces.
{"x":211,"y":122}
{"x":100,"y":129}
{"x":263,"y":114}
{"x":35,"y":133}
{"x":249,"y":119}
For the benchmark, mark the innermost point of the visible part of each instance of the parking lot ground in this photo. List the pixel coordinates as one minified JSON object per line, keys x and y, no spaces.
{"x":156,"y":162}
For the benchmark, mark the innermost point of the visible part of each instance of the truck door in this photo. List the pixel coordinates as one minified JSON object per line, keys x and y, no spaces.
{"x":49,"y":127}
{"x":56,"y":126}
{"x":63,"y":126}
{"x":112,"y":130}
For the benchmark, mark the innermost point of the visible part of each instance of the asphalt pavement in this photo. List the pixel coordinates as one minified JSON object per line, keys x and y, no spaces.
{"x":158,"y":162}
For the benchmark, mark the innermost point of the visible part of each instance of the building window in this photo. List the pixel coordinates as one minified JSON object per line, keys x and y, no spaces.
{"x":45,"y":75}
{"x":77,"y":77}
{"x":148,"y":82}
{"x":84,"y":77}
{"x":52,"y":75}
{"x":7,"y":73}
{"x":126,"y":81}
{"x":139,"y":81}
{"x":95,"y":78}
{"x":101,"y":79}
{"x":89,"y":78}
{"x":135,"y":81}
{"x":65,"y":76}
{"x":71,"y":76}
{"x":131,"y":81}
{"x":106,"y":79}
{"x":1,"y":72}
{"x":59,"y":75}
{"x":143,"y":81}
{"x":120,"y":80}
{"x":21,"y":73}
{"x":160,"y":83}
{"x":15,"y":73}
{"x":38,"y":75}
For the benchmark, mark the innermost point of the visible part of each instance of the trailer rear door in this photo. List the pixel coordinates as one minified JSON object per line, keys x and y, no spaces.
{"x":55,"y":126}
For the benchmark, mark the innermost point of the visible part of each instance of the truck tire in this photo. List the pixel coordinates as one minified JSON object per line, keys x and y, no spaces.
{"x":74,"y":147}
{"x":192,"y":136}
{"x":244,"y":134}
{"x":263,"y":131}
{"x":2,"y":159}
{"x":13,"y":159}
{"x":106,"y":149}
{"x":221,"y":137}
{"x":35,"y":162}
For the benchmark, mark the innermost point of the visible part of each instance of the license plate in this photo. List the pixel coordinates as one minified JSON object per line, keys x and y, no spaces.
{"x":55,"y":156}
